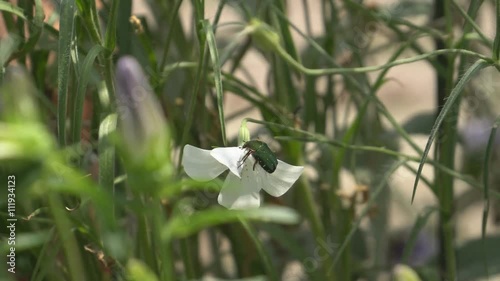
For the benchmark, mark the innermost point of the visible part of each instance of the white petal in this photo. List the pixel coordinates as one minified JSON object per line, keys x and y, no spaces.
{"x":229,"y":157}
{"x":199,"y":164}
{"x":240,"y":193}
{"x":280,"y":181}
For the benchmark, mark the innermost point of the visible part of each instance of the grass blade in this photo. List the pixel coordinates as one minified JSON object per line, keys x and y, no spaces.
{"x":455,"y":93}
{"x":63,"y":67}
{"x":486,"y":197}
{"x":182,"y":226}
{"x":364,"y":212}
{"x":107,"y":153}
{"x":84,"y":75}
{"x":8,"y":7}
{"x":265,"y":258}
{"x":496,"y":43}
{"x":110,"y":40}
{"x":214,"y":56}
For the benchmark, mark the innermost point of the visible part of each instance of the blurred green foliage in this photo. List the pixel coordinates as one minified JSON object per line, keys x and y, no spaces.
{"x":94,"y":146}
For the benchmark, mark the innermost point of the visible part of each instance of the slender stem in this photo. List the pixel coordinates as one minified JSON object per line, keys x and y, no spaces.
{"x":187,"y":257}
{"x":171,"y":25}
{"x":92,"y":21}
{"x":165,"y":259}
{"x":110,"y":37}
{"x":486,"y":183}
{"x":265,"y":258}
{"x":64,"y":63}
{"x":445,"y":146}
{"x":496,"y":42}
{"x":364,"y":69}
{"x":472,"y":24}
{"x":305,"y":193}
{"x":202,"y":62}
{"x":107,"y":72}
{"x":320,"y":138}
{"x":69,"y":243}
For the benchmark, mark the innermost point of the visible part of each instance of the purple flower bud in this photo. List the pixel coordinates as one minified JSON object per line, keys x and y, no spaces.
{"x":141,"y":121}
{"x":476,"y":133}
{"x":424,"y":249}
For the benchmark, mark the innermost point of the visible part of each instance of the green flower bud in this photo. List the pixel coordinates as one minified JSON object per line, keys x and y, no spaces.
{"x":264,"y":35}
{"x":17,"y":104}
{"x":243,"y":133}
{"x":24,"y":139}
{"x":405,"y":273}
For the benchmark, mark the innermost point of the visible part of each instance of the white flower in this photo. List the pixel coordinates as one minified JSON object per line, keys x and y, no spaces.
{"x":243,"y":184}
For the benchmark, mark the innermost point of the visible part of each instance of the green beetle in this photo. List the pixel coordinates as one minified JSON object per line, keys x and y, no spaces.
{"x":262,"y":154}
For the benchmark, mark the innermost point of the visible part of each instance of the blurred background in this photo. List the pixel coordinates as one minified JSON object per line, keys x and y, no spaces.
{"x":358,"y":92}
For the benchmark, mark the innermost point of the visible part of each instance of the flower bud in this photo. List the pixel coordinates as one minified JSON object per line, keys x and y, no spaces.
{"x":405,"y":273}
{"x":17,"y":103}
{"x":243,"y":133}
{"x":23,"y":136}
{"x":264,"y":35}
{"x":476,"y":133}
{"x":141,"y":123}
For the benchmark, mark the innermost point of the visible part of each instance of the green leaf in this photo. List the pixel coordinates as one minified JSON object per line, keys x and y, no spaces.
{"x":214,"y":56}
{"x":107,"y":152}
{"x":110,"y":39}
{"x":264,"y":255}
{"x":8,"y":7}
{"x":455,"y":93}
{"x":85,"y":71}
{"x":139,"y":271}
{"x":182,"y":226}
{"x":471,"y":256}
{"x":420,"y":123}
{"x":496,"y":42}
{"x":8,"y":47}
{"x":27,"y":241}
{"x":63,"y":67}
{"x":356,"y":225}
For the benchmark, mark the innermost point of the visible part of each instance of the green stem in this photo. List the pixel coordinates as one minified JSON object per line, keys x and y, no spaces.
{"x":445,"y":146}
{"x":327,"y":71}
{"x":187,"y":257}
{"x":110,"y":39}
{"x":496,"y":42}
{"x":265,"y":259}
{"x":163,"y":250}
{"x":79,"y":99}
{"x":471,"y":24}
{"x":304,"y":192}
{"x":64,"y":63}
{"x":92,"y":21}
{"x":69,"y":243}
{"x":107,"y":72}
{"x":345,"y":219}
{"x":168,"y":268}
{"x":486,"y":183}
{"x":319,"y":138}
{"x":144,"y":242}
{"x":355,"y":226}
{"x":171,"y":24}
{"x":107,"y":155}
{"x":202,"y":62}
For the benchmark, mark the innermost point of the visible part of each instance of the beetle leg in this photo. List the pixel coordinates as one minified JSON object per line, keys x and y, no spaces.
{"x":254,"y":164}
{"x":244,"y":158}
